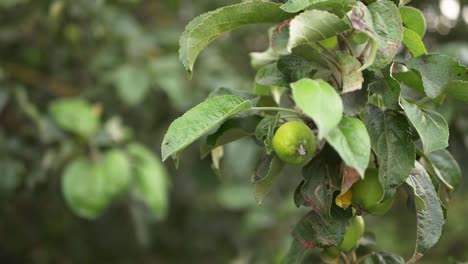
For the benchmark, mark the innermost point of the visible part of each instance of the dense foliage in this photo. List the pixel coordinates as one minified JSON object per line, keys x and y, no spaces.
{"x":89,"y":87}
{"x":333,"y":66}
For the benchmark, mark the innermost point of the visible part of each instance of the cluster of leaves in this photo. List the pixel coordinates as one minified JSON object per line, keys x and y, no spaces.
{"x":357,"y":72}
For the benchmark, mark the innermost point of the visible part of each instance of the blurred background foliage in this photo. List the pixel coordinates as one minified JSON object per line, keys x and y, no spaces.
{"x":80,"y":78}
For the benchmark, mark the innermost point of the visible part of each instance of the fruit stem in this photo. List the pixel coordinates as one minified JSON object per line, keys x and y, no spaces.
{"x":278,"y":109}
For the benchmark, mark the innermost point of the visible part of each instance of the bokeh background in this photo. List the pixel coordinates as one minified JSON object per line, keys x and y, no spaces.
{"x":121,"y":56}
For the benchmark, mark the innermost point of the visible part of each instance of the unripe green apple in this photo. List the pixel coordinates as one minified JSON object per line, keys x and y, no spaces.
{"x":294,"y":142}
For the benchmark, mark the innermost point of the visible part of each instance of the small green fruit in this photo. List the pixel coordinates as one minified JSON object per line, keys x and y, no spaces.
{"x":367,"y":192}
{"x":353,"y":234}
{"x":294,"y":142}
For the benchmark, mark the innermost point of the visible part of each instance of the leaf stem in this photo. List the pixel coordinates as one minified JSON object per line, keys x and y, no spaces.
{"x":346,"y":42}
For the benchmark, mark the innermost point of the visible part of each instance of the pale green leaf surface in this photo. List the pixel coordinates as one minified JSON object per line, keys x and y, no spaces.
{"x":209,"y":26}
{"x":446,"y":168}
{"x":200,"y":120}
{"x":430,"y":219}
{"x":318,"y":100}
{"x":314,"y":25}
{"x":413,"y":42}
{"x":457,"y":89}
{"x":413,"y":19}
{"x":431,"y":126}
{"x":351,"y":140}
{"x":294,"y":6}
{"x":438,"y":70}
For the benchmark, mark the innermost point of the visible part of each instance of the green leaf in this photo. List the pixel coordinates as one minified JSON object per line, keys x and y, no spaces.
{"x":413,"y":42}
{"x":297,"y":253}
{"x":132,"y":83}
{"x":318,"y":100}
{"x":265,"y":176}
{"x":231,"y":130}
{"x":411,"y":79}
{"x":430,"y":219}
{"x":295,"y":67}
{"x":382,"y":22}
{"x":392,"y":142}
{"x":270,"y":75}
{"x":387,"y":87}
{"x":457,"y":89}
{"x":294,"y":6}
{"x":446,"y":168}
{"x":354,"y":102}
{"x":84,"y":188}
{"x":322,"y":230}
{"x":117,"y":170}
{"x":265,"y":131}
{"x":207,"y":27}
{"x":75,"y":115}
{"x":413,"y":19}
{"x":314,"y":25}
{"x":351,"y":140}
{"x":152,"y":180}
{"x":200,"y":120}
{"x":351,"y":75}
{"x":431,"y":126}
{"x":322,"y":179}
{"x":436,"y":71}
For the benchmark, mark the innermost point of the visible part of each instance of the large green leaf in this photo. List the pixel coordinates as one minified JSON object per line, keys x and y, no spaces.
{"x":431,"y":126}
{"x":207,"y":27}
{"x":84,"y":188}
{"x":152,"y":180}
{"x":200,"y":120}
{"x":382,"y":22}
{"x":392,"y":142}
{"x":429,"y":219}
{"x":351,"y":140}
{"x":457,"y":89}
{"x":413,"y":42}
{"x":413,"y":19}
{"x":265,"y":176}
{"x":438,"y":70}
{"x":75,"y":115}
{"x":314,"y":25}
{"x":446,"y":168}
{"x":318,"y":100}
